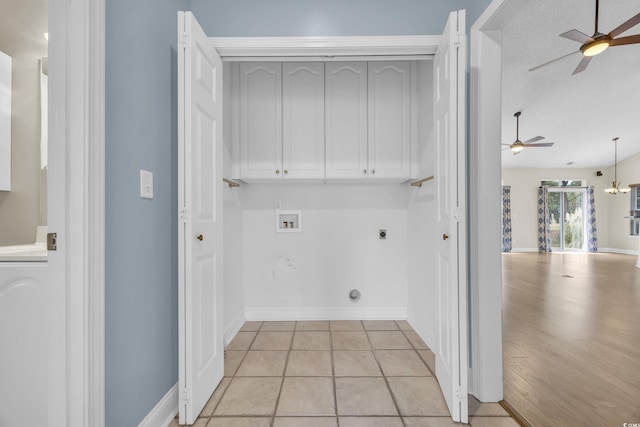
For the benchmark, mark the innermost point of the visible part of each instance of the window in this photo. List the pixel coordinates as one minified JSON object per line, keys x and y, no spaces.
{"x":635,"y":209}
{"x":563,"y":182}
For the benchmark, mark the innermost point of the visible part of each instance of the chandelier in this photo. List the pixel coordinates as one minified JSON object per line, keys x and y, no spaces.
{"x":616,"y":187}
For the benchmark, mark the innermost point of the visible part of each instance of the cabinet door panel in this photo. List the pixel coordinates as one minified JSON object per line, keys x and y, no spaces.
{"x":389,"y":119}
{"x":346,"y":119}
{"x":260,"y":120}
{"x":303,"y":120}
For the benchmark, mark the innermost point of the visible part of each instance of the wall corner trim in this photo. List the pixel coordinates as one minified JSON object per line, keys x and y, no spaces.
{"x":233,"y":328}
{"x":164,"y":412}
{"x":422,"y":329}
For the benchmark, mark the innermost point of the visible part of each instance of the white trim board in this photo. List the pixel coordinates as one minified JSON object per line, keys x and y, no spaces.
{"x":422,"y":329}
{"x":164,"y":412}
{"x":231,"y":330}
{"x":485,"y":261}
{"x":325,"y":313}
{"x":619,"y":251}
{"x":76,"y":129}
{"x":229,"y":47}
{"x":600,"y":250}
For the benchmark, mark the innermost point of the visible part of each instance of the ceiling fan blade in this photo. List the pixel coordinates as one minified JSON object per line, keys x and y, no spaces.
{"x":553,"y":60}
{"x":629,"y":23}
{"x":626,"y":40}
{"x":508,"y":145}
{"x":534,"y":139}
{"x":577,"y":36}
{"x":582,"y":65}
{"x":542,"y":144}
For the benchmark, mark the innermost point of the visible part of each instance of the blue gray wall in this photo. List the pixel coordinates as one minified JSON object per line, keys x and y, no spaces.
{"x":227,"y":18}
{"x":141,"y":133}
{"x":141,"y":235}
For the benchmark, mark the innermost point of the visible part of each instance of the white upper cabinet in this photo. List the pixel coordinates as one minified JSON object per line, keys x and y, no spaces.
{"x":316,"y":120}
{"x":389,"y":120}
{"x":303,"y":120}
{"x":260,"y":124}
{"x":346,"y":119}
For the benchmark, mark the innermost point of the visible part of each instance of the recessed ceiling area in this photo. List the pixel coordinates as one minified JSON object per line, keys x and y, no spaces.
{"x":580,"y":113}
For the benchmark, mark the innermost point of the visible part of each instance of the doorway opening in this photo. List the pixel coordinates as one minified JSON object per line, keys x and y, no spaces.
{"x":567,"y":221}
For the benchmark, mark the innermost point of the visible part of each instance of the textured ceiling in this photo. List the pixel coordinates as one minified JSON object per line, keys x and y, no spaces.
{"x":580,"y":113}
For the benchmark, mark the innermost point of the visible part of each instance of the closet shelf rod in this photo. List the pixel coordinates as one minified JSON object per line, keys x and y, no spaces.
{"x":419,"y":182}
{"x":231,"y":183}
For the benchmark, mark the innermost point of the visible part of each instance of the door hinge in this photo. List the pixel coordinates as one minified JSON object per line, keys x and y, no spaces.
{"x":460,"y":392}
{"x":458,"y":214}
{"x":461,"y":39}
{"x":186,"y":394}
{"x":52,"y":241}
{"x":184,"y":215}
{"x":186,"y":40}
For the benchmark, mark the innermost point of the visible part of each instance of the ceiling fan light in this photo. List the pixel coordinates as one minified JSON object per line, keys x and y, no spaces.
{"x":624,"y":190}
{"x":517,"y":147}
{"x":595,"y":47}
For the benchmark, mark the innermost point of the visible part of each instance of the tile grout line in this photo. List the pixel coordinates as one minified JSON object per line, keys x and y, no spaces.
{"x":234,"y":373}
{"x":424,"y":362}
{"x":386,"y":381}
{"x":284,"y":371}
{"x":333,"y":376}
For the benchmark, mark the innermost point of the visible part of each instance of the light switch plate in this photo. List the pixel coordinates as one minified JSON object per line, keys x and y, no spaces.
{"x":146,"y":184}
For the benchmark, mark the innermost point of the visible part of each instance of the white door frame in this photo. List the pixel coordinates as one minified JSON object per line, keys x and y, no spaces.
{"x":81,"y":27}
{"x":77,"y":66}
{"x":485,"y":262}
{"x":79,"y":387}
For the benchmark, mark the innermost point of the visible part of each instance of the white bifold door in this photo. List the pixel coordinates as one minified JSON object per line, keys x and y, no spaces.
{"x":201,"y":352}
{"x":449,"y":107}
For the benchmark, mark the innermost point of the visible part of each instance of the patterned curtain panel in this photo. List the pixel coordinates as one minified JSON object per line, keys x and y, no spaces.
{"x":506,"y":218}
{"x":544,"y":231}
{"x":592,"y":237}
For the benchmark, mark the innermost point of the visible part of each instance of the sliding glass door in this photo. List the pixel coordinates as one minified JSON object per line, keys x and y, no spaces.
{"x":567,"y":220}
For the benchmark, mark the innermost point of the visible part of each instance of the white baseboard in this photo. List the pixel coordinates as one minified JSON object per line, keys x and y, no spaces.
{"x":232,"y":329}
{"x":325,"y":313}
{"x":620,"y":251}
{"x":612,"y":250}
{"x":164,"y":412}
{"x":422,"y":329}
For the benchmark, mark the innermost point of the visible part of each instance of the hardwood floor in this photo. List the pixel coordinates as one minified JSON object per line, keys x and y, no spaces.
{"x":571,"y":331}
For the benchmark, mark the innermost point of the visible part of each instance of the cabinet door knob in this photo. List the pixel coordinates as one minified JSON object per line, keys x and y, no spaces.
{"x":286,"y":171}
{"x":373,"y":172}
{"x":445,"y":237}
{"x":364,"y":171}
{"x":277,"y":171}
{"x":200,"y":237}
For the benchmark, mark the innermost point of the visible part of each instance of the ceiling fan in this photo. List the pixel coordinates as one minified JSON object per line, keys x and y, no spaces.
{"x":517,"y":146}
{"x":598,"y":42}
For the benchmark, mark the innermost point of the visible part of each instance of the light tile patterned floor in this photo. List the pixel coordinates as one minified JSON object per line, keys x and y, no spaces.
{"x":372,"y":373}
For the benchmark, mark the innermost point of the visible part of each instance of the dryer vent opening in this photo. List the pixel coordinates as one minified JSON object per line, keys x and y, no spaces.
{"x":354,"y":295}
